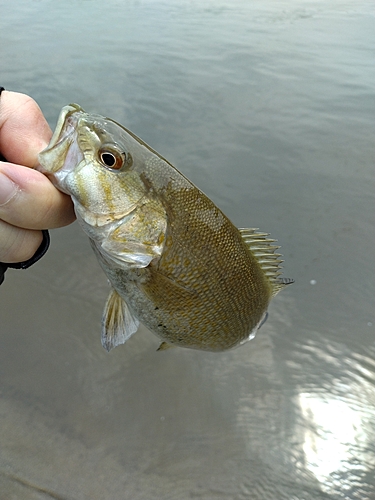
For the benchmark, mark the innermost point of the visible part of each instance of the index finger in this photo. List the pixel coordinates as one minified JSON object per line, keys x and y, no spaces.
{"x":24,"y":131}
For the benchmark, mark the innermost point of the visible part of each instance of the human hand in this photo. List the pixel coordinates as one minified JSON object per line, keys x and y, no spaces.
{"x":28,"y":200}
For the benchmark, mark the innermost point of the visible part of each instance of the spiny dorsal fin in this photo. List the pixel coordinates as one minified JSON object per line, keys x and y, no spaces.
{"x":263,"y":248}
{"x":118,"y":323}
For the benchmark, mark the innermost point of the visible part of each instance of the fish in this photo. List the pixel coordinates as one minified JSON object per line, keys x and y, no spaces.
{"x":174,"y":261}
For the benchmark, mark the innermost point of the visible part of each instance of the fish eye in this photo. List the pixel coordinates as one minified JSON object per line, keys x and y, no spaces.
{"x":111,"y":158}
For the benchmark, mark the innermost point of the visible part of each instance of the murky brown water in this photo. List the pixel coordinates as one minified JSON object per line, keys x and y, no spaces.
{"x":269,"y":108}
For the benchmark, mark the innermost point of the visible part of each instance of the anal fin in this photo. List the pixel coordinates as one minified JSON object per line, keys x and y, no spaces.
{"x":164,"y":346}
{"x":118,"y":323}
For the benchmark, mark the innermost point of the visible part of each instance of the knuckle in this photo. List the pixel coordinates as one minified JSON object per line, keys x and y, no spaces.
{"x":18,"y":245}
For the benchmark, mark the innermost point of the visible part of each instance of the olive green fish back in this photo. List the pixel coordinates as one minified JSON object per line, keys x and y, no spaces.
{"x":208,"y":289}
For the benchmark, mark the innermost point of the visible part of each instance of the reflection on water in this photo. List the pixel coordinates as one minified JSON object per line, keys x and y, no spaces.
{"x":332,"y":430}
{"x":268,"y":107}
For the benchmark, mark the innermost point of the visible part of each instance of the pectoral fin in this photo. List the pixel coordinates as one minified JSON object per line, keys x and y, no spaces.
{"x":133,"y":254}
{"x":118,"y":323}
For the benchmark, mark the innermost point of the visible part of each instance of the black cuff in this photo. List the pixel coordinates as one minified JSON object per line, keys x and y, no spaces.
{"x":27,"y":263}
{"x":3,"y":268}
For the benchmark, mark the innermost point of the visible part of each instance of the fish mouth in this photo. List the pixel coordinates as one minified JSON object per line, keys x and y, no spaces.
{"x":52,"y":159}
{"x":59,"y":132}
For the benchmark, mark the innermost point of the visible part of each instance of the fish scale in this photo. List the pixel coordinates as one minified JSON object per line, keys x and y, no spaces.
{"x":175,"y":261}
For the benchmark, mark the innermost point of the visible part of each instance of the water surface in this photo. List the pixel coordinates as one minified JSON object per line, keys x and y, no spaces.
{"x":269,"y":108}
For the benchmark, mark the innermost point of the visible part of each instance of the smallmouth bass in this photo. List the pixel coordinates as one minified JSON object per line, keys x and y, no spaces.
{"x":174,"y":260}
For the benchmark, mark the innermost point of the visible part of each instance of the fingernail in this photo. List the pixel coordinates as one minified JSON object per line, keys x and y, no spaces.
{"x":7,"y":189}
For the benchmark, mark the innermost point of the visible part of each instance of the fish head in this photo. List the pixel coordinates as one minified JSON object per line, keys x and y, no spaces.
{"x":100,"y":165}
{"x":89,"y":158}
